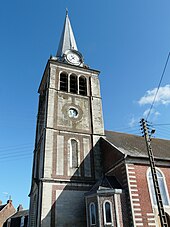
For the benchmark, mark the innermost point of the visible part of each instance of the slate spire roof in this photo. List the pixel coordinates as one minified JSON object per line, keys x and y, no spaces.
{"x":67,"y":40}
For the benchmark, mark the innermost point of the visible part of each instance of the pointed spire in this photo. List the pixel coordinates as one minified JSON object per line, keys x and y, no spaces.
{"x":67,"y":40}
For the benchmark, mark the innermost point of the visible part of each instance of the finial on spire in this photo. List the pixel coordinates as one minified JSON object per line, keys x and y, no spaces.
{"x":66,"y":11}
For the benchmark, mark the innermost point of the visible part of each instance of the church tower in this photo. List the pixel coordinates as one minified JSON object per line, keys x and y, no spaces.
{"x":67,"y":160}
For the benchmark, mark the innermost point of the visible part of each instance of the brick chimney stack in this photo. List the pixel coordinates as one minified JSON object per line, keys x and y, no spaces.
{"x":9,"y":201}
{"x":20,"y":207}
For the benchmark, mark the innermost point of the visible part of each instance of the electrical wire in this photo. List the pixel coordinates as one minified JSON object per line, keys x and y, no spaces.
{"x":162,"y":129}
{"x":129,"y":130}
{"x":158,"y":85}
{"x":18,"y":156}
{"x":16,"y":152}
{"x":161,"y":124}
{"x":15,"y":146}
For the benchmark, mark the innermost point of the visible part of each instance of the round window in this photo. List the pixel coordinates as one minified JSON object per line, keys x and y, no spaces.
{"x":73,"y":113}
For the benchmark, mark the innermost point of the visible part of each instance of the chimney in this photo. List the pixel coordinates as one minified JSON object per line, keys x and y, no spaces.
{"x":9,"y":200}
{"x":19,"y":208}
{"x":0,"y":202}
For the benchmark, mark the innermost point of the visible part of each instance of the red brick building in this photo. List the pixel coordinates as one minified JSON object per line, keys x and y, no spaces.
{"x":19,"y":219}
{"x":125,"y":157}
{"x":6,"y":210}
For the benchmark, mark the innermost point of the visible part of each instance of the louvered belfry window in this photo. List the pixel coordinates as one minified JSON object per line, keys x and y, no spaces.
{"x":73,"y":84}
{"x":82,"y":85}
{"x":63,"y":82}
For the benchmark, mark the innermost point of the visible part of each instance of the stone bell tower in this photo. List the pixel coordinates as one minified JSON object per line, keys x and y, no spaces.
{"x":67,"y":160}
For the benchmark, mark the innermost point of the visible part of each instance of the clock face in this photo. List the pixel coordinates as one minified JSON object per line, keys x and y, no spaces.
{"x":73,"y":57}
{"x":72,"y":113}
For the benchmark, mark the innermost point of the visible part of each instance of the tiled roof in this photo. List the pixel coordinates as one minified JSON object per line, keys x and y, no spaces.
{"x":2,"y":206}
{"x":135,"y":146}
{"x":20,"y":213}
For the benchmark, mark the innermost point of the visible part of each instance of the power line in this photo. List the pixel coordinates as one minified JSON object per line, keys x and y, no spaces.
{"x":12,"y":150}
{"x":158,"y":86}
{"x":18,"y":145}
{"x":2,"y":154}
{"x":16,"y":158}
{"x":161,"y":124}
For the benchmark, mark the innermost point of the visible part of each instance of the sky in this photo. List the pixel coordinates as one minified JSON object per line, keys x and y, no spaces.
{"x":127,"y":40}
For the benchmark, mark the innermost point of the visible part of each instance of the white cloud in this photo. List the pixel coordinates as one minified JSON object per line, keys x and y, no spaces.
{"x":163,"y":96}
{"x":132,"y":122}
{"x":145,"y":114}
{"x":153,"y":112}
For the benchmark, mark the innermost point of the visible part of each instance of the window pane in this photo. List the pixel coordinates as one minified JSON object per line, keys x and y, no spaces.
{"x":63,"y":82}
{"x":108,"y":212}
{"x":161,"y":187}
{"x":82,"y":86}
{"x":92,"y":214}
{"x":152,"y":190}
{"x":73,"y":84}
{"x":163,"y":191}
{"x":74,"y":153}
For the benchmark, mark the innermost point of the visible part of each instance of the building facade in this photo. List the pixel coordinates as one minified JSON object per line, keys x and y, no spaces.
{"x":6,"y":210}
{"x":83,"y":175}
{"x":19,"y":219}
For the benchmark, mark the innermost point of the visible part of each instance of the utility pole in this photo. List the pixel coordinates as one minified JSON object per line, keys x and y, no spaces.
{"x":161,"y":211}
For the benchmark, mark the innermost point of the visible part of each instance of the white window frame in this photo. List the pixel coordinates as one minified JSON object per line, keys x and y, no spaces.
{"x":150,"y":190}
{"x":90,"y":205}
{"x":104,"y":213}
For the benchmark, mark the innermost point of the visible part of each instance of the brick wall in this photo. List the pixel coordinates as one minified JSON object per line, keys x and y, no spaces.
{"x":144,"y":214}
{"x":6,"y":212}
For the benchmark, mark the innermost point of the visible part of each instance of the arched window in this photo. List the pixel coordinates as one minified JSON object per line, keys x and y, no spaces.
{"x":92,"y":209}
{"x":162,"y":187}
{"x":74,"y":159}
{"x":73,"y":84}
{"x":82,"y":85}
{"x":63,"y":82}
{"x":107,"y":212}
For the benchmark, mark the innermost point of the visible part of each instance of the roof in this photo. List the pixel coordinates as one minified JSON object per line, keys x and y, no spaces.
{"x":105,"y":183}
{"x":2,"y":206}
{"x":67,"y":40}
{"x":20,"y":213}
{"x":135,"y":146}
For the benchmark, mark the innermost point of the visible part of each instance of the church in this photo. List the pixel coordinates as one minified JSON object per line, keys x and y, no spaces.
{"x":84,"y":175}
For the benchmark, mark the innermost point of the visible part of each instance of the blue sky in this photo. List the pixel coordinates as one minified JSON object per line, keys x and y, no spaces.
{"x":128,"y":41}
